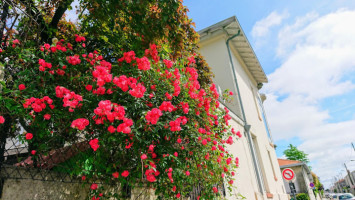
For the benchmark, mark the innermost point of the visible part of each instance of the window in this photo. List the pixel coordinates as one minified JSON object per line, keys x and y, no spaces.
{"x":220,"y":92}
{"x":258,"y":110}
{"x":260,"y":166}
{"x":266,"y":124}
{"x":234,"y":105}
{"x":272,"y":165}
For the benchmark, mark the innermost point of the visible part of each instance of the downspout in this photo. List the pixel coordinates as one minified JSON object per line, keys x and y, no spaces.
{"x":246,"y":125}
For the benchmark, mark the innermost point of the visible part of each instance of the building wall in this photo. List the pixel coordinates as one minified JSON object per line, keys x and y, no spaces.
{"x":215,"y":52}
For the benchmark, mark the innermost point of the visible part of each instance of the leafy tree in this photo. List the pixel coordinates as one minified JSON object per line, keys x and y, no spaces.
{"x":292,"y":153}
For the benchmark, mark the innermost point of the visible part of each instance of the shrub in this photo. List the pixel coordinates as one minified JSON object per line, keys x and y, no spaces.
{"x":141,"y":118}
{"x":302,"y":196}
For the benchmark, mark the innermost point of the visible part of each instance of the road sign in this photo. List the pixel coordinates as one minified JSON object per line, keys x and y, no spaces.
{"x":311,"y":185}
{"x":288,"y":174}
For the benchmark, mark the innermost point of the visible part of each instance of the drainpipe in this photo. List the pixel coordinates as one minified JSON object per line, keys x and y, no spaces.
{"x":246,"y":125}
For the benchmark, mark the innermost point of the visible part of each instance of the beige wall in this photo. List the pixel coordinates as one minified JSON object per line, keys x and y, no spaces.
{"x":215,"y":52}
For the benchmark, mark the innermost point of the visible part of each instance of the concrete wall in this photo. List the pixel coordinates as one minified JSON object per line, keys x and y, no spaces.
{"x":215,"y":52}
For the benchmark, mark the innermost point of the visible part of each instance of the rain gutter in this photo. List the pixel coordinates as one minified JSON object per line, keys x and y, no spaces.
{"x":246,"y":125}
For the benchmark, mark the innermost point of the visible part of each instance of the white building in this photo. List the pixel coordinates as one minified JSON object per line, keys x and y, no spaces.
{"x":236,"y":67}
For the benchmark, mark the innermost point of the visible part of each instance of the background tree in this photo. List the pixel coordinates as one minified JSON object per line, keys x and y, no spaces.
{"x":292,"y":153}
{"x":119,"y":26}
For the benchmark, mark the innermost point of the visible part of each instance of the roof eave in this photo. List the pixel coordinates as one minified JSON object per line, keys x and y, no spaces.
{"x":230,"y":27}
{"x":295,"y":165}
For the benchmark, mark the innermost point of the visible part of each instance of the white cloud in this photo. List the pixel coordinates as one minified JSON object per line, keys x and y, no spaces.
{"x":262,"y":27}
{"x":322,"y":52}
{"x":289,"y":34}
{"x":317,"y":54}
{"x":292,"y":116}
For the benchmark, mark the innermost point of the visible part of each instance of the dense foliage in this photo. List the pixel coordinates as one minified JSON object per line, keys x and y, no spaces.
{"x":144,"y":117}
{"x":129,"y":92}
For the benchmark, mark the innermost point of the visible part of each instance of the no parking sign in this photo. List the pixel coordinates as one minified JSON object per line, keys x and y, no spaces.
{"x":288,"y":174}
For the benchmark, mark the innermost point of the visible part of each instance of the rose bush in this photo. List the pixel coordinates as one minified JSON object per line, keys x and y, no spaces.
{"x":144,"y":118}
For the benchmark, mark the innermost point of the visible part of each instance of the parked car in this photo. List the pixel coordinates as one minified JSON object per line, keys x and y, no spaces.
{"x":346,"y":196}
{"x":334,"y":196}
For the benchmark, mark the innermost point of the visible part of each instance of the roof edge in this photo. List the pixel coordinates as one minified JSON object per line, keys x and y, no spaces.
{"x":259,"y":74}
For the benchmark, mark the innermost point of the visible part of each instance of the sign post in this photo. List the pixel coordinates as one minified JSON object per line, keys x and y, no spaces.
{"x":289,"y":175}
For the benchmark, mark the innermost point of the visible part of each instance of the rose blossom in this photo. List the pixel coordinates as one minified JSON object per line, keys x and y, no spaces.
{"x":29,"y":136}
{"x":2,"y":120}
{"x":21,"y":87}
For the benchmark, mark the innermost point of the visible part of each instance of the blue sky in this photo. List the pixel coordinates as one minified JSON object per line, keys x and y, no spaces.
{"x":307,"y":49}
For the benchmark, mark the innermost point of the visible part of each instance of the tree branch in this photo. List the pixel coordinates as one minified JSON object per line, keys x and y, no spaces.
{"x":63,"y":6}
{"x":36,"y":16}
{"x":3,"y":20}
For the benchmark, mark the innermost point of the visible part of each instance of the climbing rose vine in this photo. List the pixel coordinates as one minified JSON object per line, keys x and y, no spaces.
{"x":144,"y":119}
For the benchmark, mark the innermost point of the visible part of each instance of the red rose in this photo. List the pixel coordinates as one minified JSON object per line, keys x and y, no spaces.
{"x":93,"y":186}
{"x":151,"y":148}
{"x":88,"y":87}
{"x":151,"y":178}
{"x":2,"y":119}
{"x":47,"y":116}
{"x":21,"y":87}
{"x":187,"y":173}
{"x":29,"y":136}
{"x":80,"y":123}
{"x":116,"y":175}
{"x":111,"y":129}
{"x":125,"y":173}
{"x":33,"y":152}
{"x":144,"y":156}
{"x":94,"y":143}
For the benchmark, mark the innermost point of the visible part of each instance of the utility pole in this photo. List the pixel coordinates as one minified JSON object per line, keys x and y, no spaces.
{"x":336,"y":184}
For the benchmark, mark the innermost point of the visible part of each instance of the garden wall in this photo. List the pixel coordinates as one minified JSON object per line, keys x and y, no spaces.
{"x":21,"y":186}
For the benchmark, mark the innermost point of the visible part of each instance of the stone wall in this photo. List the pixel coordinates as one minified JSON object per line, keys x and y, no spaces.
{"x":39,"y":187}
